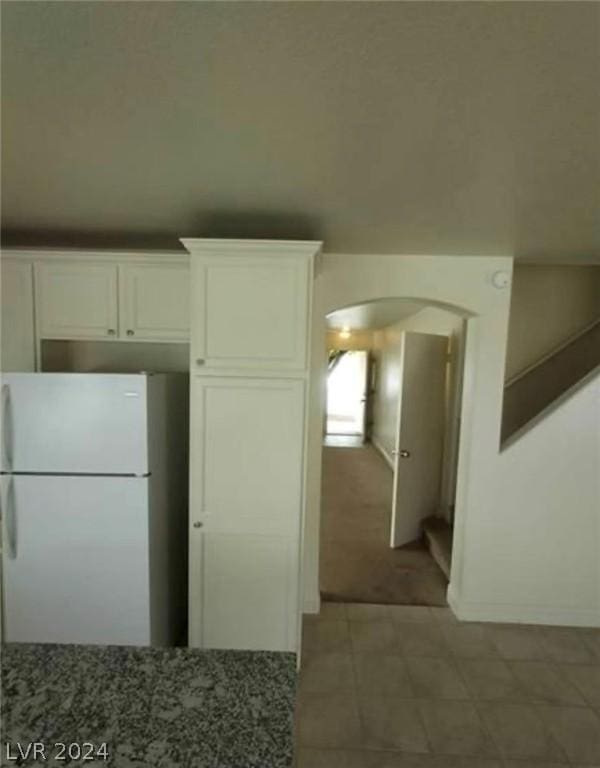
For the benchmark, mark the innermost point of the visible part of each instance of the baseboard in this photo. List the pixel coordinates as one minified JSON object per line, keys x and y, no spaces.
{"x":513,"y":613}
{"x":383,"y":453}
{"x":312,"y":605}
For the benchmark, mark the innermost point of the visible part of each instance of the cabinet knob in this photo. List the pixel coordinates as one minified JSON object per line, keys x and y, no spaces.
{"x":199,"y":361}
{"x":197,"y":524}
{"x":111,"y":331}
{"x":130,"y":332}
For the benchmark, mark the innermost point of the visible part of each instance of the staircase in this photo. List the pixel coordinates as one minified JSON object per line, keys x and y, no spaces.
{"x":438,"y":535}
{"x":528,"y":398}
{"x":528,"y":395}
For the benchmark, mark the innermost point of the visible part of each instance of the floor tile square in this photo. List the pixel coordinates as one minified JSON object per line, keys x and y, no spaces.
{"x":519,"y":732}
{"x":443,"y":615}
{"x":333,"y":758}
{"x":372,"y":636}
{"x":333,"y":611}
{"x":586,"y":678}
{"x":382,"y":674}
{"x":543,"y":683}
{"x":518,"y":643}
{"x":455,"y":728}
{"x":469,"y":641}
{"x":411,"y":613}
{"x":328,"y":720}
{"x":565,"y":645}
{"x":421,"y":640}
{"x":326,"y":636}
{"x":404,"y":760}
{"x":367,"y":612}
{"x":391,"y":722}
{"x":577,"y":730}
{"x":591,"y":637}
{"x":327,"y":672}
{"x":489,"y":680}
{"x":435,"y":678}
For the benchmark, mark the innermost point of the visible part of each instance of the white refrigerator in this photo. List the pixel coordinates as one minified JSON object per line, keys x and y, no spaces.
{"x":94,"y":507}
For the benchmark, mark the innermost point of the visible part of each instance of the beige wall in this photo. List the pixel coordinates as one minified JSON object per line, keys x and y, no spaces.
{"x":357,"y":340}
{"x":549,"y":304}
{"x":114,"y":356}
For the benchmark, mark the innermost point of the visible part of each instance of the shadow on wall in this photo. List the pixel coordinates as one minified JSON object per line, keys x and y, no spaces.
{"x":257,"y":224}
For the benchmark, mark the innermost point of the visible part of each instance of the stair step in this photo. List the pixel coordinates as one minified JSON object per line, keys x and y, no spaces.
{"x":438,"y":534}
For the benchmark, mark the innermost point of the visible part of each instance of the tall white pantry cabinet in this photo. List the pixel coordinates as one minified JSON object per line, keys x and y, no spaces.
{"x":250,"y":318}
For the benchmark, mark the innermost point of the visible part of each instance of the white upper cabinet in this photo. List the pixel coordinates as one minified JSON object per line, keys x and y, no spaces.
{"x":155,"y":302}
{"x":18,"y":338}
{"x":112,"y":296}
{"x":250,"y":304}
{"x":76,"y":300}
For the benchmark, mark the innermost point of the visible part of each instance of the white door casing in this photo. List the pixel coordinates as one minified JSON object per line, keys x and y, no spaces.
{"x":420,"y":434}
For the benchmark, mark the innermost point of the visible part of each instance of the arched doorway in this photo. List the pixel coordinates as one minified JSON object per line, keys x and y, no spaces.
{"x":389,"y":458}
{"x":466,"y":286}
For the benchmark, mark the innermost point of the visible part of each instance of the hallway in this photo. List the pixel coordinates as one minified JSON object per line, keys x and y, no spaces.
{"x":357,"y":563}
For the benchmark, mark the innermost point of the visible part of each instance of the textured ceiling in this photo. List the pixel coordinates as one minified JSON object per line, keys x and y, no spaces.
{"x":409,"y":127}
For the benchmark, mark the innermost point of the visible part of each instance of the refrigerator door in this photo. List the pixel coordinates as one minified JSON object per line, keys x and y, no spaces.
{"x":74,"y":423}
{"x":75,"y":560}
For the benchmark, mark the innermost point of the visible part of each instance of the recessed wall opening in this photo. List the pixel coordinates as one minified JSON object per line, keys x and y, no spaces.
{"x":71,"y":356}
{"x":390,"y":449}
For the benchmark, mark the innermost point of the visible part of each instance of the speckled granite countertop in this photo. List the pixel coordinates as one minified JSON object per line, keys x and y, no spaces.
{"x":156,"y":708}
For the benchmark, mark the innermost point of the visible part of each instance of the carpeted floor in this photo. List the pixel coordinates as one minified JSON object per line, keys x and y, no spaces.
{"x":357,"y":563}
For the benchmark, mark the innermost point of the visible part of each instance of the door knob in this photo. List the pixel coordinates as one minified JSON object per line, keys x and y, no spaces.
{"x":197,"y":524}
{"x":404,"y":454}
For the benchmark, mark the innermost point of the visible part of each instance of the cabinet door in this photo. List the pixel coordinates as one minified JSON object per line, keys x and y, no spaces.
{"x":249,"y":312}
{"x":155,"y":302}
{"x":76,"y":300}
{"x":245,"y":512}
{"x":18,"y":337}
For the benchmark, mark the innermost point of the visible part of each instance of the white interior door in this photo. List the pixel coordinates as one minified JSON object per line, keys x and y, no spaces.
{"x":75,"y":559}
{"x":246,"y":502}
{"x":420,"y":433}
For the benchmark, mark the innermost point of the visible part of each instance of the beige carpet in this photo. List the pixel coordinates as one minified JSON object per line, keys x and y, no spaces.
{"x":357,"y":563}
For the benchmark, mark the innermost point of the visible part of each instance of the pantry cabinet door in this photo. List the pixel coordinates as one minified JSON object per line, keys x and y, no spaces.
{"x":18,"y":336}
{"x":245,"y":512}
{"x":249,"y":312}
{"x":75,"y":300}
{"x":155,"y":302}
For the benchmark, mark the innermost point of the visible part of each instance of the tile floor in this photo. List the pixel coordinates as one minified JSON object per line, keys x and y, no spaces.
{"x":410,"y":687}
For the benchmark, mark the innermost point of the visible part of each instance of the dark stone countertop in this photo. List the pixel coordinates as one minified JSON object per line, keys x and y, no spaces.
{"x":172,"y":707}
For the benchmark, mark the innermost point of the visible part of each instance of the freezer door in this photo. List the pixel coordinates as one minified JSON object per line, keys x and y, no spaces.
{"x":74,"y":423}
{"x":75,"y":560}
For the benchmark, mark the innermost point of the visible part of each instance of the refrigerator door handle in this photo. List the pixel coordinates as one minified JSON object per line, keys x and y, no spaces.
{"x":7,"y":429}
{"x":10,"y":513}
